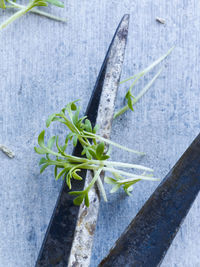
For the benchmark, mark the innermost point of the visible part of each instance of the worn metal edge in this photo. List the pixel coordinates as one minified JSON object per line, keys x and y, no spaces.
{"x":146,"y":240}
{"x":87,"y":218}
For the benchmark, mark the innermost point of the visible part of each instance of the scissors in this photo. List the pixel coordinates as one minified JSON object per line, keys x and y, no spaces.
{"x":69,"y":236}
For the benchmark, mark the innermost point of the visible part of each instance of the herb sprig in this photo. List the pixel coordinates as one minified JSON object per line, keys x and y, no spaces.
{"x":30,"y":7}
{"x":68,"y":167}
{"x":130,"y":98}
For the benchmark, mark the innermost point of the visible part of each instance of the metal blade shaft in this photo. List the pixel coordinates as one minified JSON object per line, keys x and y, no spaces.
{"x":147,"y":239}
{"x":87,"y":218}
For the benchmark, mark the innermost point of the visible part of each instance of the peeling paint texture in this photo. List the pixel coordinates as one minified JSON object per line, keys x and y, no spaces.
{"x":45,"y":64}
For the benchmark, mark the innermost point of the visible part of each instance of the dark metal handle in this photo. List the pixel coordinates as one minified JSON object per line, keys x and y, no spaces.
{"x":147,"y":239}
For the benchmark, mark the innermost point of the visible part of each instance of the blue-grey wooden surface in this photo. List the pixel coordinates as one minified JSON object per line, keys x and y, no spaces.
{"x":45,"y":64}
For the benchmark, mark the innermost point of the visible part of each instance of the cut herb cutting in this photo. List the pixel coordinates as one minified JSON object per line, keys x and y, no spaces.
{"x":132,"y":100}
{"x":93,"y":147}
{"x":68,"y":167}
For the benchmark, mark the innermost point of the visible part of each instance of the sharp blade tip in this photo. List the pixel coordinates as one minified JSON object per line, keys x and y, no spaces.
{"x":126,"y":17}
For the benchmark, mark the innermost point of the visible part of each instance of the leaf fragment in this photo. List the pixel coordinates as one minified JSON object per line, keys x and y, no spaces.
{"x":55,"y":3}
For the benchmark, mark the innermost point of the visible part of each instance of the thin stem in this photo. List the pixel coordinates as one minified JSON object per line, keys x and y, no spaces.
{"x":45,"y":14}
{"x":139,"y":178}
{"x":127,"y":165}
{"x":121,"y":111}
{"x":94,"y":179}
{"x":69,"y":124}
{"x":96,"y":163}
{"x":145,"y":89}
{"x":120,"y":164}
{"x":101,"y":188}
{"x":137,"y":98}
{"x":134,"y":176}
{"x":150,"y":67}
{"x":13,"y":17}
{"x":60,"y":164}
{"x":82,"y":141}
{"x":36,"y":11}
{"x":90,"y":135}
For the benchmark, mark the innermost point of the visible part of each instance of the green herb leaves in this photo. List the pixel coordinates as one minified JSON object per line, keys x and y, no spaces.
{"x":69,"y":167}
{"x":30,"y":7}
{"x":2,"y":4}
{"x":55,"y":3}
{"x":130,"y":98}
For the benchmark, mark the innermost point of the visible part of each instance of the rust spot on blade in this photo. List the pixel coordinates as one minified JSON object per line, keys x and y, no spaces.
{"x":122,"y":34}
{"x":83,"y":214}
{"x":90,"y":228}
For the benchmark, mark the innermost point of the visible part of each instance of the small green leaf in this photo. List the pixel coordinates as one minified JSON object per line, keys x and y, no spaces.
{"x":58,"y":147}
{"x":83,"y":151}
{"x":115,"y":188}
{"x":130,"y":104}
{"x":42,"y":161}
{"x":95,"y":129}
{"x":55,"y":171}
{"x":40,"y":150}
{"x":39,"y":3}
{"x":78,"y":200}
{"x":51,"y":142}
{"x":55,"y":3}
{"x":87,"y":202}
{"x":58,"y":119}
{"x":69,"y":137}
{"x":75,"y":140}
{"x":60,"y":174}
{"x":128,"y":94}
{"x":63,"y":148}
{"x":81,"y":119}
{"x":76,"y":176}
{"x":75,"y":117}
{"x":109,"y":180}
{"x":41,"y":138}
{"x":92,"y":152}
{"x":2,"y":4}
{"x":68,"y":180}
{"x":105,"y":157}
{"x":43,"y":167}
{"x":128,"y":189}
{"x":88,"y":126}
{"x":100,"y":149}
{"x":88,"y":155}
{"x":73,"y":106}
{"x":50,"y":119}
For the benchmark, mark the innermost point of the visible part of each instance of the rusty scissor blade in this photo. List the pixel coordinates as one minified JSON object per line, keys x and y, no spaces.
{"x":146,"y":240}
{"x":87,"y":218}
{"x":58,"y":242}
